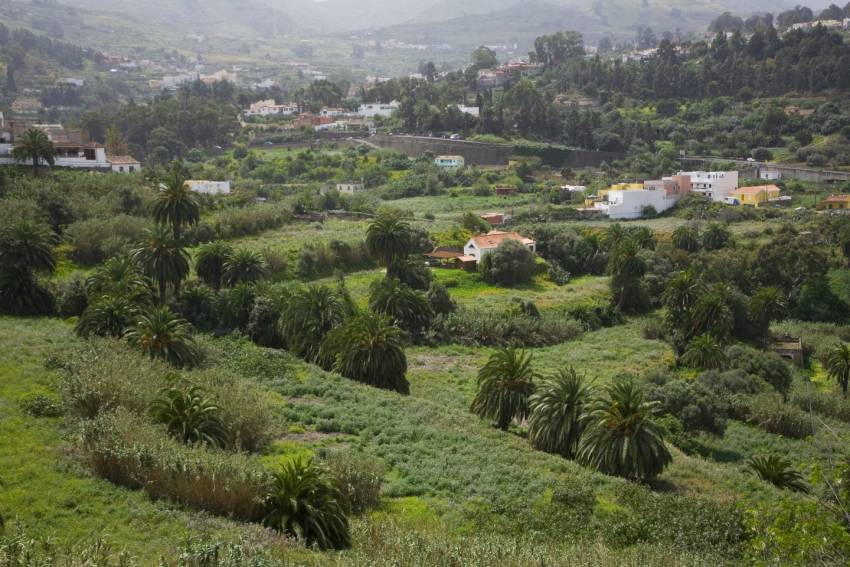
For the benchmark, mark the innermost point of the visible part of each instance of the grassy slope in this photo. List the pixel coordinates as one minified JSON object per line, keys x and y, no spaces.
{"x":42,"y":489}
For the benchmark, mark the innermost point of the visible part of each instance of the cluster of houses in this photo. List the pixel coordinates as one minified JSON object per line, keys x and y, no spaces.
{"x":339,"y":119}
{"x":635,"y":200}
{"x":505,"y":73}
{"x":827,"y":24}
{"x":71,"y":150}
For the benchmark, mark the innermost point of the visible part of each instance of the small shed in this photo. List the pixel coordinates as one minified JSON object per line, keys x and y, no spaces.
{"x":444,"y":256}
{"x":789,"y":348}
{"x":494,"y":219}
{"x":504,"y":191}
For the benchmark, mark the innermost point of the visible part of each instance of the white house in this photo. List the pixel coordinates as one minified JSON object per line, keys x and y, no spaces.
{"x":209,"y":187}
{"x":350,"y":188}
{"x":573,"y":188}
{"x":716,"y":185}
{"x":333,"y":112}
{"x":71,"y":151}
{"x":450,"y":162}
{"x":124,"y":164}
{"x":631,"y":203}
{"x":770,"y":174}
{"x":479,"y":246}
{"x":270,"y":108}
{"x":471,"y":110}
{"x":372,"y":109}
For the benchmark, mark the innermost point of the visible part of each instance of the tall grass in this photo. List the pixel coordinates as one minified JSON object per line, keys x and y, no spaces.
{"x":126,"y":450}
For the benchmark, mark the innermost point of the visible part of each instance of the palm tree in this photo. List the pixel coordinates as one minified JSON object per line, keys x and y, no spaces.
{"x":626,"y":266}
{"x":302,"y":501}
{"x":768,"y":304}
{"x":686,"y":238}
{"x":34,"y":146}
{"x":704,"y":352}
{"x":614,"y":235}
{"x":555,"y":411}
{"x":407,"y":307}
{"x":162,"y":258}
{"x":837,"y":365}
{"x":370,"y":349}
{"x":25,"y":248}
{"x":108,"y":316}
{"x":210,"y":261}
{"x":176,"y":204}
{"x":683,"y":291}
{"x":160,"y":334}
{"x":716,"y":236}
{"x":711,"y":315}
{"x":388,"y":237}
{"x":190,"y":416}
{"x":777,"y":471}
{"x":504,"y":385}
{"x":120,"y":276}
{"x":620,"y":436}
{"x":308,"y":317}
{"x":244,"y":266}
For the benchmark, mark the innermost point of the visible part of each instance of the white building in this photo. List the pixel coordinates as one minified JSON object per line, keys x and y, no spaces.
{"x":479,"y":246}
{"x":70,"y":149}
{"x":770,"y":174}
{"x":124,"y":164}
{"x":573,"y":188}
{"x":373,"y":109}
{"x":333,"y":112}
{"x":471,"y":110}
{"x":350,"y":188}
{"x":716,"y":185}
{"x":270,"y":108}
{"x":209,"y":187}
{"x":631,"y":203}
{"x":450,"y":162}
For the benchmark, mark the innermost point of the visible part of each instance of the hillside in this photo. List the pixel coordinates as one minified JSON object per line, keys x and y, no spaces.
{"x":507,"y":21}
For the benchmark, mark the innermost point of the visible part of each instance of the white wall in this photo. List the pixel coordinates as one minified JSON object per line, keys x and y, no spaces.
{"x":210,"y":187}
{"x":629,"y":204}
{"x":714,"y":184}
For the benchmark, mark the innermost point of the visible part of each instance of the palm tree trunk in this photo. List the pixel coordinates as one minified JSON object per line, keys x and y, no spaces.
{"x":162,"y":291}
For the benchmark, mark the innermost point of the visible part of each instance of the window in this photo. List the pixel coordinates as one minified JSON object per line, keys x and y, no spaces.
{"x":121,"y":169}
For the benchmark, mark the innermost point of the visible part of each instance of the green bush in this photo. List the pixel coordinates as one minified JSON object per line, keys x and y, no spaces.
{"x":72,"y":299}
{"x":771,"y":414}
{"x":481,"y":327}
{"x":358,"y":478}
{"x":40,"y":405}
{"x":829,"y":404}
{"x":509,"y":265}
{"x":124,"y":449}
{"x":95,"y":240}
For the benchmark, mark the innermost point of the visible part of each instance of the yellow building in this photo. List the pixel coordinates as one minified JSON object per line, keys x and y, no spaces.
{"x":755,"y":196}
{"x":836,"y":202}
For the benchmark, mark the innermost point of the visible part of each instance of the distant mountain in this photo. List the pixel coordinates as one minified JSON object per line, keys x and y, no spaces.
{"x":475,"y":22}
{"x":225,"y":18}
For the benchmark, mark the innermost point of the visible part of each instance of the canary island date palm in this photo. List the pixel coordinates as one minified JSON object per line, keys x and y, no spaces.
{"x":505,"y":383}
{"x":777,"y":471}
{"x":34,"y":146}
{"x":370,"y":349}
{"x":837,"y":365}
{"x":120,"y":276}
{"x":190,"y":415}
{"x":555,"y":411}
{"x":210,"y":262}
{"x":705,"y":353}
{"x":244,"y":266}
{"x":308,"y":317}
{"x":162,"y":259}
{"x":408,"y":308}
{"x":303,"y":501}
{"x":158,"y":333}
{"x":25,"y":249}
{"x":620,"y":437}
{"x":176,"y":204}
{"x":107,"y":316}
{"x":388,"y":238}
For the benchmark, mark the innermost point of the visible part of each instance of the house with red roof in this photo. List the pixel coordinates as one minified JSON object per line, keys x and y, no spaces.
{"x":479,"y":246}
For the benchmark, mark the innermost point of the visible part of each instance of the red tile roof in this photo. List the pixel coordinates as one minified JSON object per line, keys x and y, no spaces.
{"x":494,"y":238}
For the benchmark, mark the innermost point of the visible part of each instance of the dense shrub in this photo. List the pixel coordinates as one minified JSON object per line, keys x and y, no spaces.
{"x":95,"y":240}
{"x":828,"y":404}
{"x":768,"y":366}
{"x":124,"y":449}
{"x":40,"y":405}
{"x":771,"y":414}
{"x":358,"y":478}
{"x":481,"y":327}
{"x":694,"y":405}
{"x":263,"y":327}
{"x":509,"y":265}
{"x":72,"y":299}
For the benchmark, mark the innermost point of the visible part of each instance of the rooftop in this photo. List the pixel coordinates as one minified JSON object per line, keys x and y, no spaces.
{"x":754,"y":190}
{"x":494,"y":238}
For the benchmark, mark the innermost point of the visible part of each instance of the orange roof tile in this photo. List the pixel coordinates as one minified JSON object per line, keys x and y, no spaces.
{"x":494,"y":238}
